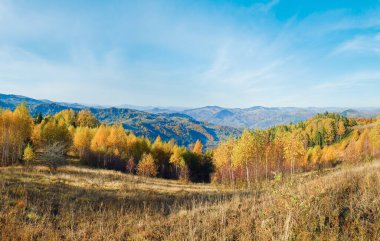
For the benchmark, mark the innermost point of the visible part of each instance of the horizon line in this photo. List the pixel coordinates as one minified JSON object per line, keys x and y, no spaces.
{"x":184,"y":107}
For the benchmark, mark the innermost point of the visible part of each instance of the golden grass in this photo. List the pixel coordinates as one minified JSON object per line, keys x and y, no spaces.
{"x":80,"y":203}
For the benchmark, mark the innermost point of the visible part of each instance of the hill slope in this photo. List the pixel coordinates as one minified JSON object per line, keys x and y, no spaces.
{"x":81,"y":204}
{"x":180,"y":127}
{"x":209,"y":124}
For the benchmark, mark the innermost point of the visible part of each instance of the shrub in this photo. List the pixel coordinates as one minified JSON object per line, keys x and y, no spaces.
{"x":54,"y":155}
{"x":29,"y":154}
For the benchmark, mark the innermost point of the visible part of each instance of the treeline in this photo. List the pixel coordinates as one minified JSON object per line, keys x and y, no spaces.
{"x":69,"y":133}
{"x":322,"y":141}
{"x":113,"y":148}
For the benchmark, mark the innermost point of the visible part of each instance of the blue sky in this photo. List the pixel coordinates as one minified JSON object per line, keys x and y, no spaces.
{"x":192,"y":53}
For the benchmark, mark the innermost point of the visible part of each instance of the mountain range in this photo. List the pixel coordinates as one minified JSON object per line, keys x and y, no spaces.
{"x":260,"y":117}
{"x":209,"y":124}
{"x":184,"y":129}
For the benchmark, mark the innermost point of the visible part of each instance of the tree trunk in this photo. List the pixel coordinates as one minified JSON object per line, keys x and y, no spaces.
{"x":291,"y":168}
{"x":247,"y":174}
{"x":266,"y":166}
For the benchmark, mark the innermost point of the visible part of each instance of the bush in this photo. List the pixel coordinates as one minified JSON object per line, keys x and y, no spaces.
{"x":54,"y":155}
{"x":29,"y":154}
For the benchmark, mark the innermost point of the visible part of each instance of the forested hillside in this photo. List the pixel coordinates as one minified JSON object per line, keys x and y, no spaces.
{"x":209,"y":124}
{"x":53,"y":139}
{"x":325,"y":140}
{"x":183,"y":129}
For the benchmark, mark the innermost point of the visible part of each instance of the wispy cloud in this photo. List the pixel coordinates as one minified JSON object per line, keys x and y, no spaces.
{"x":208,"y":52}
{"x":264,"y":7}
{"x":25,"y":73}
{"x":367,"y":44}
{"x":350,"y":81}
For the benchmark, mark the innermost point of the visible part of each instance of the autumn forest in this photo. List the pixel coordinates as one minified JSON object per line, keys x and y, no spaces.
{"x":323,"y":141}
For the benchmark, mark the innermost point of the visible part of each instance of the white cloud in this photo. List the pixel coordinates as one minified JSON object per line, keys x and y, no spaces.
{"x":160,"y":53}
{"x":361,"y":45}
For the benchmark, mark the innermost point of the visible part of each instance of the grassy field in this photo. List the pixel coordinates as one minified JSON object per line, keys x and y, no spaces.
{"x":78,"y":203}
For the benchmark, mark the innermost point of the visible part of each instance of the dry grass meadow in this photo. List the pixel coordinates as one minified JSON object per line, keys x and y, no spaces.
{"x":78,"y":203}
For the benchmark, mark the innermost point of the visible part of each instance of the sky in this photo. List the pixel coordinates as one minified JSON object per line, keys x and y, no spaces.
{"x":193,"y":53}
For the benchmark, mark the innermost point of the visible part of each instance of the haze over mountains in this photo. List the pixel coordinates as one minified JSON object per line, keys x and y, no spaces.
{"x":209,"y":124}
{"x":264,"y":117}
{"x":258,"y":116}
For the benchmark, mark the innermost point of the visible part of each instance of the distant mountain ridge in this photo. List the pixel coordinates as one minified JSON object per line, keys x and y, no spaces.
{"x":184,"y":129}
{"x":259,"y":116}
{"x":263,"y":117}
{"x":209,"y":124}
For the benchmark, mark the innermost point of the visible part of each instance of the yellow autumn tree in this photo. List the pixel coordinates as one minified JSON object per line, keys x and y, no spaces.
{"x":116,"y":141}
{"x":86,"y":118}
{"x":329,"y":155}
{"x":29,"y":154}
{"x":223,"y":159}
{"x":15,"y":131}
{"x":294,"y":150}
{"x":341,"y":129}
{"x":68,"y":117}
{"x":363,"y":146}
{"x":82,"y":141}
{"x":375,"y":139}
{"x":178,"y":161}
{"x":244,"y":153}
{"x":316,"y":156}
{"x":53,"y":132}
{"x":23,"y":124}
{"x":147,"y":166}
{"x":330,"y":131}
{"x":99,"y":143}
{"x":198,"y":147}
